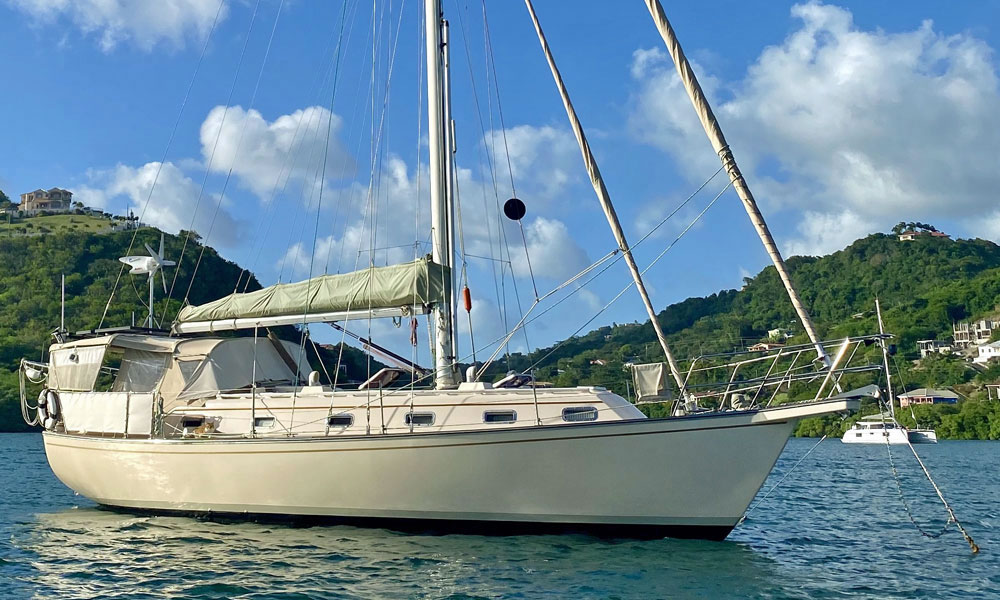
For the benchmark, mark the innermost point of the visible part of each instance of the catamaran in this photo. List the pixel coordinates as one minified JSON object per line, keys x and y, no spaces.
{"x":189,"y":421}
{"x":883,"y":428}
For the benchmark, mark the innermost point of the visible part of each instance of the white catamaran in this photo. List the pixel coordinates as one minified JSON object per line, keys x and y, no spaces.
{"x":883,"y":428}
{"x":201,"y":424}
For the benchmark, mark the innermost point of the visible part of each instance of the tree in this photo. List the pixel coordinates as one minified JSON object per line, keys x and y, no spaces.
{"x":192,"y":235}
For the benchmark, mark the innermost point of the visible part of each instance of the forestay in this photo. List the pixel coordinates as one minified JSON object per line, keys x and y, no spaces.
{"x":378,"y":291}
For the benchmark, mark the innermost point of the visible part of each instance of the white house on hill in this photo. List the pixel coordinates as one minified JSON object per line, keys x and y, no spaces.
{"x":987,"y":352}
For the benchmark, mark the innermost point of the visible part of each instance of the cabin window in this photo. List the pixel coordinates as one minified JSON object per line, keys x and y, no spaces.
{"x":876,"y":426}
{"x":579,"y":413}
{"x":192,"y":422}
{"x":499,"y":416}
{"x":263,"y":422}
{"x":420,"y":419}
{"x":341,"y":420}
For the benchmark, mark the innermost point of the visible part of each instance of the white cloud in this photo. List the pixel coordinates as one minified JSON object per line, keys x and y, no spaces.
{"x":854,"y":128}
{"x":171,"y":206}
{"x":145,"y":23}
{"x":265,"y":154}
{"x":987,"y":227}
{"x":553,"y":251}
{"x":545,"y":161}
{"x":822,"y":233}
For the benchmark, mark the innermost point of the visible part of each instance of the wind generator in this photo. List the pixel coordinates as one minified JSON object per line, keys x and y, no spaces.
{"x":150,"y":265}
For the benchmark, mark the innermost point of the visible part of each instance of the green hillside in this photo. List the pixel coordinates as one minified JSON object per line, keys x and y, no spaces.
{"x":30,"y":270}
{"x":924,"y":285}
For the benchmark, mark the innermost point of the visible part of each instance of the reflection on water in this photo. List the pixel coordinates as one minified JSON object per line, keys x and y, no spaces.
{"x":833,"y":529}
{"x":86,"y":552}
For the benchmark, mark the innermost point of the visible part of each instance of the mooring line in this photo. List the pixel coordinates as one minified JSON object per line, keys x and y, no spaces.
{"x":952,"y":518}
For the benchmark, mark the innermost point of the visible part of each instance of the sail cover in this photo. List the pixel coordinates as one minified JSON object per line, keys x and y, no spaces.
{"x":405,"y":285}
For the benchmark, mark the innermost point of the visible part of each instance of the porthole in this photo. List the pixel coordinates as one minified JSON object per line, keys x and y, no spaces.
{"x":499,"y":416}
{"x":574,"y":414}
{"x":191,"y":422}
{"x":420,"y":419}
{"x":341,"y":420}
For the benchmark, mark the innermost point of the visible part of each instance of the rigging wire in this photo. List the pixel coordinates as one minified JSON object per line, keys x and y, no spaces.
{"x":485,"y":163}
{"x":319,"y":206}
{"x":492,"y":68}
{"x":229,"y":174}
{"x":166,"y":150}
{"x":208,"y":166}
{"x":375,"y":154}
{"x":287,"y":164}
{"x":618,"y":256}
{"x":643,"y":272}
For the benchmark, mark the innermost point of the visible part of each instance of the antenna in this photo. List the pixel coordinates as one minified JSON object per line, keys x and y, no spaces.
{"x":62,"y":304}
{"x":150,"y":265}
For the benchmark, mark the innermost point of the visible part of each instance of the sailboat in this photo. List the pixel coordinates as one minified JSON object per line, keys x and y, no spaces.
{"x":197,"y":423}
{"x":883,"y":428}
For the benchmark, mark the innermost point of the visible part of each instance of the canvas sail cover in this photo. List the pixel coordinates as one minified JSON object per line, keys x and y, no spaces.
{"x":410,"y":284}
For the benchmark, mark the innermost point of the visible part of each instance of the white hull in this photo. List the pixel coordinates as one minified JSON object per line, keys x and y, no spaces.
{"x":895,"y":436}
{"x":922,"y":436}
{"x":691,"y":477}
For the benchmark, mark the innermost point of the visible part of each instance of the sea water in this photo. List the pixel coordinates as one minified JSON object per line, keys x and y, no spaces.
{"x":835,"y":528}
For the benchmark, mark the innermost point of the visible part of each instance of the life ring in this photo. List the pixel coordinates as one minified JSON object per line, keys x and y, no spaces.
{"x":52,"y":403}
{"x":47,"y":412}
{"x":41,"y":412}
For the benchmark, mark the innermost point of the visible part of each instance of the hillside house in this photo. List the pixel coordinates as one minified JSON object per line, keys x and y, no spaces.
{"x":987,"y":352}
{"x":973,"y":334}
{"x":909,"y":236}
{"x":928,"y":396}
{"x":54,"y":200}
{"x":933,"y":347}
{"x":993,"y":391}
{"x":764,"y":347}
{"x":778,"y":334}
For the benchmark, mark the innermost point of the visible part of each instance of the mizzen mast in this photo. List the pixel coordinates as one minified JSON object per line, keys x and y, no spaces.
{"x":714,"y":132}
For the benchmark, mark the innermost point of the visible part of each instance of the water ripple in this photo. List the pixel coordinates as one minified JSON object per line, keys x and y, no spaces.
{"x":833,"y":530}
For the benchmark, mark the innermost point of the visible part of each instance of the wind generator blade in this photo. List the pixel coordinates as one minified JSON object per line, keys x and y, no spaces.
{"x":163,"y":277}
{"x":159,"y":255}
{"x":153,"y":255}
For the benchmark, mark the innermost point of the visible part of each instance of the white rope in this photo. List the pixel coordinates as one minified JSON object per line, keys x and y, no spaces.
{"x":166,"y":150}
{"x":780,"y":481}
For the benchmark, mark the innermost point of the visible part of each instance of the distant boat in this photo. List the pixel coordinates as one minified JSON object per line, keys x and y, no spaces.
{"x":884,"y":428}
{"x":881,"y":429}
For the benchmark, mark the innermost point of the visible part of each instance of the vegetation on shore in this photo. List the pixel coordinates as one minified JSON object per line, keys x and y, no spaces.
{"x":925,"y":285}
{"x":30,"y":273}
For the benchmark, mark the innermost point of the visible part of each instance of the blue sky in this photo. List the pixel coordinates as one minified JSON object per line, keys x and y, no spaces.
{"x":847,"y":117}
